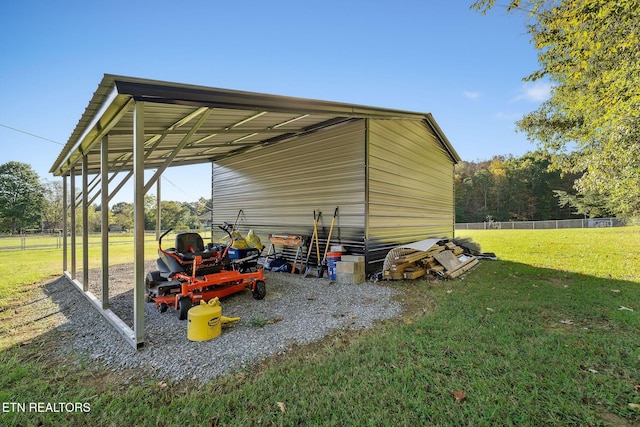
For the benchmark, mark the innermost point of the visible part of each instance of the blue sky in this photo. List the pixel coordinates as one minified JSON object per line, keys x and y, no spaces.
{"x":417,"y":55}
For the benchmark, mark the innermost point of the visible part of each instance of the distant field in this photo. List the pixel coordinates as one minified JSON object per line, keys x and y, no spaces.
{"x":600,"y":252}
{"x":21,"y":269}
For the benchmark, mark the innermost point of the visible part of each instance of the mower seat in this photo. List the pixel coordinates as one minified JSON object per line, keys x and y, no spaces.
{"x":190,"y":245}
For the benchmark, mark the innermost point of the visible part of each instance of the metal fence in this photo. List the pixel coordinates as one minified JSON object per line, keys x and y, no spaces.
{"x":39,"y":240}
{"x":24,"y":241}
{"x":542,"y":225}
{"x":52,"y":239}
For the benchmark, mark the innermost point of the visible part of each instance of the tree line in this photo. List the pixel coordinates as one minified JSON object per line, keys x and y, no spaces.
{"x":525,"y":188}
{"x":504,"y":188}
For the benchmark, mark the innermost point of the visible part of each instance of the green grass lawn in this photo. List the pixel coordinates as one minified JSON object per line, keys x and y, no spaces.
{"x":543,"y":337}
{"x":599,"y":252}
{"x":23,"y":271}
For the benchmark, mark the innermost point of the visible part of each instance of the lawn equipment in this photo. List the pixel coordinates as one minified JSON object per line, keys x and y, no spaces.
{"x":191,"y":272}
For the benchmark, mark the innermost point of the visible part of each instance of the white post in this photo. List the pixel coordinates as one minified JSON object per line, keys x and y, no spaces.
{"x":65,"y":229}
{"x":72,"y":214}
{"x":85,"y":223}
{"x":104,"y":193}
{"x":138,"y":222}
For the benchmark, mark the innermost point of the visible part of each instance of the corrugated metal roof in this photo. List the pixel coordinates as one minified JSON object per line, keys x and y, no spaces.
{"x":210,"y":123}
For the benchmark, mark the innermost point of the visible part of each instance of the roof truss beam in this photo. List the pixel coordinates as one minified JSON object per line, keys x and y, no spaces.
{"x":204,"y":112}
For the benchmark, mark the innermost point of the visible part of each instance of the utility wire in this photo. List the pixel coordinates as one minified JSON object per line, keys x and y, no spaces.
{"x":31,"y":134}
{"x":178,"y":188}
{"x":59,"y":143}
{"x":184,"y":192}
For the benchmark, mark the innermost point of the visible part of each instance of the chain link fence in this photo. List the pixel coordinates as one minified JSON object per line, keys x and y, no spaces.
{"x":542,"y":225}
{"x":54,"y":240}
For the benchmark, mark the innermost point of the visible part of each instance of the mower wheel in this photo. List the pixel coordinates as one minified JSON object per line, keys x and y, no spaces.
{"x":184,"y":304}
{"x":163,"y":307}
{"x":260,"y":290}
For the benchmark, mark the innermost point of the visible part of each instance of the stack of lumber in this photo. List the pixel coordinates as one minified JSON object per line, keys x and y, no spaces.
{"x":443,"y":259}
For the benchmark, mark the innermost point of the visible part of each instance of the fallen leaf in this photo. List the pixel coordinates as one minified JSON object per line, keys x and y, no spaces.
{"x":449,"y":291}
{"x":490,"y":309}
{"x":567,"y":322}
{"x":162,"y":385}
{"x":622,"y":307}
{"x":593,"y":371}
{"x":615,"y":290}
{"x":636,"y":387}
{"x":634,"y":405}
{"x":281,"y":406}
{"x":459,"y":395}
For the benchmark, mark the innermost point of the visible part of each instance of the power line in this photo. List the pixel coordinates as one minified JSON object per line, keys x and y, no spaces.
{"x":59,"y":143}
{"x":178,"y":188}
{"x":31,"y":134}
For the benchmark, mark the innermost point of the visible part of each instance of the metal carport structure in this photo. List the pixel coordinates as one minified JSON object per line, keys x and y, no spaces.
{"x":134,"y":124}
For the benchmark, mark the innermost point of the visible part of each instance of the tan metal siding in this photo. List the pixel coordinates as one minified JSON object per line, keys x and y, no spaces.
{"x":409,"y":189}
{"x":278,"y":187}
{"x":410,"y":186}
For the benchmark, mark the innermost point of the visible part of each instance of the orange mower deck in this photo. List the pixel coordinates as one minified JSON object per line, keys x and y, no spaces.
{"x":213,"y":285}
{"x":182,"y":287}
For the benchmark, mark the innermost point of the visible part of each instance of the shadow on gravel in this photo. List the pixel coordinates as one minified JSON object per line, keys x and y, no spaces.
{"x":296,"y":311}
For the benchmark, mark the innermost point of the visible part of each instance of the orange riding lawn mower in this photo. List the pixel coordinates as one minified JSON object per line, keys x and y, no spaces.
{"x":191,"y":272}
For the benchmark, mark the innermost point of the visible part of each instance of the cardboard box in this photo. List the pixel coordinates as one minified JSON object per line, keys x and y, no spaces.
{"x":353,"y":258}
{"x":350,"y":279}
{"x":350,"y":267}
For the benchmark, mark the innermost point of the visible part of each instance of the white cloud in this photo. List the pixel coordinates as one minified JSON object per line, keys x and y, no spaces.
{"x":534,"y":92}
{"x":471,"y":94}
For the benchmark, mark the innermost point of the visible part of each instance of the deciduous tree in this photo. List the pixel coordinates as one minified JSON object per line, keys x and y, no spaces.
{"x":52,"y":207}
{"x":511,"y":188}
{"x":123,"y":215}
{"x":21,"y":197}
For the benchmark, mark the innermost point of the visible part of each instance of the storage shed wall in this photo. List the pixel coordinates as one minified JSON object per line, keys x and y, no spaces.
{"x":278,"y":187}
{"x":410,"y":186}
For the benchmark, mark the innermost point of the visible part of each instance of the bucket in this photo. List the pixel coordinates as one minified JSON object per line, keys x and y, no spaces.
{"x":204,"y":321}
{"x":332,"y":259}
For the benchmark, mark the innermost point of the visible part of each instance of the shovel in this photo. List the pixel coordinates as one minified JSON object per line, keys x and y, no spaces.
{"x":326,"y":249}
{"x":308,"y":270}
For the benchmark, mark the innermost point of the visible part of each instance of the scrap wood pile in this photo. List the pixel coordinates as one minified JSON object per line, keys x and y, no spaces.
{"x":444,"y":259}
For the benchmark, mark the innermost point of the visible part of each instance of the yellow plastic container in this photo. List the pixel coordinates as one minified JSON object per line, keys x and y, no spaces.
{"x":205,"y":321}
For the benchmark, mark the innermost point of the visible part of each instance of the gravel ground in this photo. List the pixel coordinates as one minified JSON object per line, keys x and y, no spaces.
{"x":295,"y":311}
